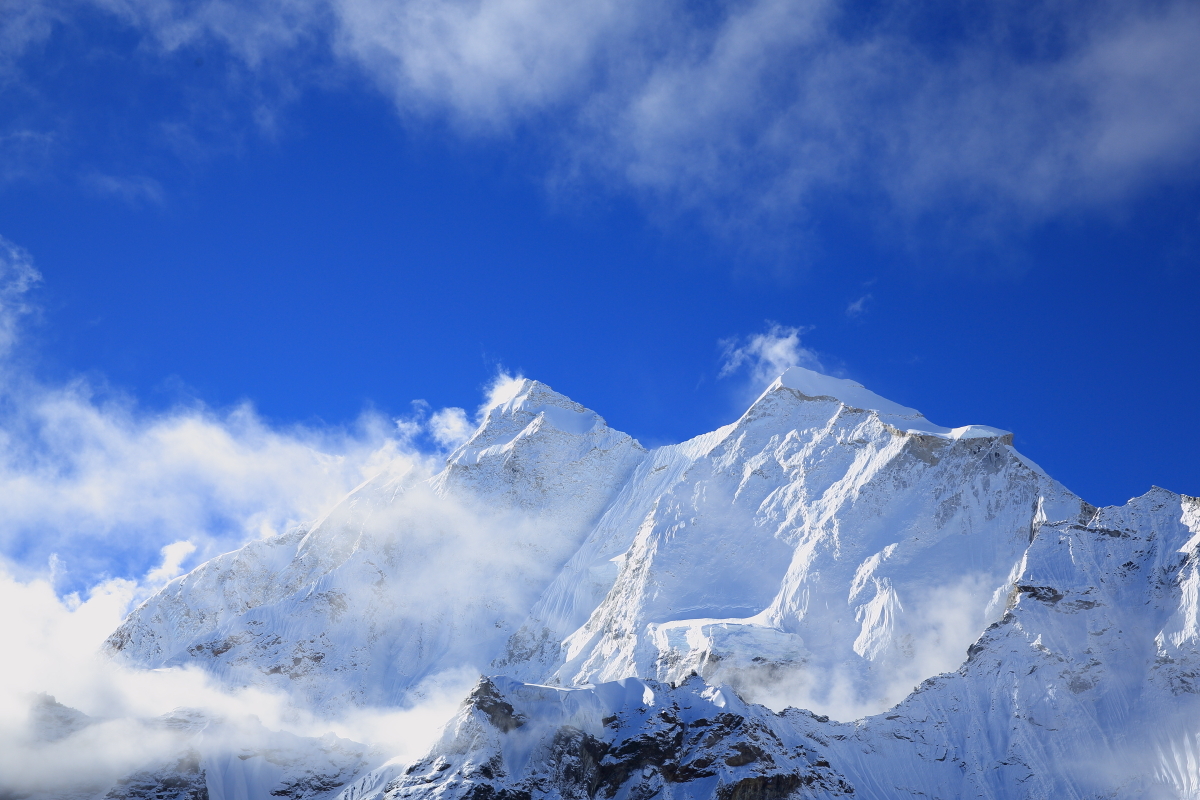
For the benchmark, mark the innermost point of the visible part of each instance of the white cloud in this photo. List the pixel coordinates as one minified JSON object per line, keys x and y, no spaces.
{"x":449,"y":427}
{"x":751,"y":111}
{"x":757,"y":107}
{"x":51,"y":647}
{"x":17,"y":277}
{"x":767,"y":355}
{"x":486,"y":63}
{"x":105,"y":485}
{"x":859,"y":306}
{"x":95,"y":485}
{"x":21,"y":25}
{"x":105,"y":502}
{"x":173,"y":555}
{"x":132,"y":189}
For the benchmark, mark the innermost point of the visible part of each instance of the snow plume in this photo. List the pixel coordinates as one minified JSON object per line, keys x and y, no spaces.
{"x":504,"y":387}
{"x":173,"y":556}
{"x":767,"y":355}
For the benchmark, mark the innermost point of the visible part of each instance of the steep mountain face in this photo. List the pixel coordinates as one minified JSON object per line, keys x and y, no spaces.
{"x":1079,"y":690}
{"x":812,"y":553}
{"x":389,"y":589}
{"x":1084,"y":688}
{"x":658,"y":617}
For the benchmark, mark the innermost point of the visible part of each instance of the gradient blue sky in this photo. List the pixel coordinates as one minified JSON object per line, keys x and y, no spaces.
{"x":327,"y":206}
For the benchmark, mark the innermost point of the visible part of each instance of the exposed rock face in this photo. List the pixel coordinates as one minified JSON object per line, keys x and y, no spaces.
{"x":631,"y":738}
{"x":1083,"y":688}
{"x":993,"y":635}
{"x":182,"y":780}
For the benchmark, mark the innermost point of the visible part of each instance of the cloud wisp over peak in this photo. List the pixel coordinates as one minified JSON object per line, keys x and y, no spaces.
{"x":766,"y":356}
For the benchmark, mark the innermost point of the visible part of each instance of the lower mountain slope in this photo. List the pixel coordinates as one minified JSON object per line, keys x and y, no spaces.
{"x":1085,"y":688}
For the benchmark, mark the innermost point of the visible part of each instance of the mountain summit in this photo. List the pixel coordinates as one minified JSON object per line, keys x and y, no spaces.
{"x":951,"y":620}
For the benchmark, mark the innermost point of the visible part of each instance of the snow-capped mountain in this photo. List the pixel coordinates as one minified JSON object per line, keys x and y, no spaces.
{"x":404,"y":580}
{"x":953,"y":621}
{"x":1085,"y":688}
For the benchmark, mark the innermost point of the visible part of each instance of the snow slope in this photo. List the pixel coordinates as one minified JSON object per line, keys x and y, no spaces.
{"x":813,"y":552}
{"x":992,"y":634}
{"x":1084,"y":688}
{"x":405,"y":580}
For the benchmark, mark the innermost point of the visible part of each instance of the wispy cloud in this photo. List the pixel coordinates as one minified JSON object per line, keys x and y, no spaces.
{"x":17,"y":277}
{"x":172,"y":564}
{"x":52,"y":647}
{"x":107,"y":488}
{"x":450,"y":427}
{"x":753,"y":111}
{"x":859,"y":307}
{"x":765,"y":356}
{"x":133,"y":189}
{"x":106,"y":502}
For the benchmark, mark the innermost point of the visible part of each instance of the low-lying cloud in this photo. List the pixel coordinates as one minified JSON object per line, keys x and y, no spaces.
{"x":105,"y":502}
{"x":52,"y":650}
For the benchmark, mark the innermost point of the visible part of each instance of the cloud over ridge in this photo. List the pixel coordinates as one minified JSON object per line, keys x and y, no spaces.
{"x":95,"y":486}
{"x":105,"y":503}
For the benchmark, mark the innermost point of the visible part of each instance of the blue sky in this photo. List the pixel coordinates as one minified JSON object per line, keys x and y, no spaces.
{"x":326,"y":207}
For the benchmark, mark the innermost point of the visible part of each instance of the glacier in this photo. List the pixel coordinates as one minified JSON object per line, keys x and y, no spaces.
{"x":831,"y":596}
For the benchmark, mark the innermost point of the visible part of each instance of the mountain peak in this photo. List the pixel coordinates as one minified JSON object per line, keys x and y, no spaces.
{"x":526,"y":398}
{"x":851,"y":394}
{"x":815,"y":384}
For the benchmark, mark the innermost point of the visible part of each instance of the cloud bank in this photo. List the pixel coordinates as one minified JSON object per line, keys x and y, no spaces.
{"x":105,"y":502}
{"x":93,"y":485}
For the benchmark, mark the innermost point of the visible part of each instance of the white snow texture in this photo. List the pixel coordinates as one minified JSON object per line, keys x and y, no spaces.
{"x":955,"y":622}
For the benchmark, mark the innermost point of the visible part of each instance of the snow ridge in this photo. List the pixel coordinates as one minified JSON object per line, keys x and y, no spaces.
{"x":658,"y":616}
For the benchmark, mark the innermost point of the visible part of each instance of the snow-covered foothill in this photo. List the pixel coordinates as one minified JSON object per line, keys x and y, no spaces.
{"x":187,"y":754}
